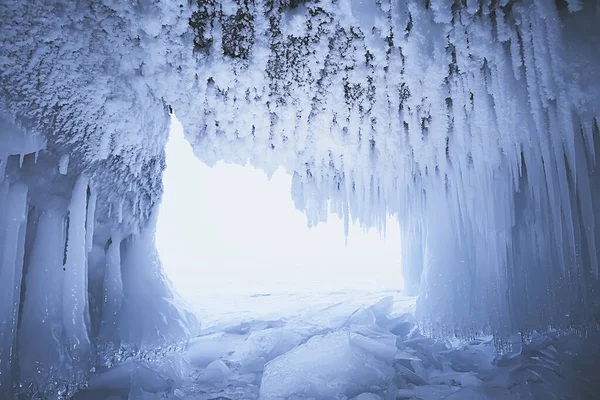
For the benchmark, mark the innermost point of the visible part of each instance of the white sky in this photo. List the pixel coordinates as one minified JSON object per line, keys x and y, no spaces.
{"x":229,"y":229}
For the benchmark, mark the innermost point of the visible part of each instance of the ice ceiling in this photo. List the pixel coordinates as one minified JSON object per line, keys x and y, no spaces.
{"x":474,"y":122}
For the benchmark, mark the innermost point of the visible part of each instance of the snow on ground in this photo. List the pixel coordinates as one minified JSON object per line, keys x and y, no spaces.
{"x":348,"y":345}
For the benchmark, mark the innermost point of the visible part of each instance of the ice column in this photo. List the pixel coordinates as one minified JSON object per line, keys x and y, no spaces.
{"x":112,"y":292}
{"x":75,"y":294}
{"x":13,"y":221}
{"x":40,"y":346}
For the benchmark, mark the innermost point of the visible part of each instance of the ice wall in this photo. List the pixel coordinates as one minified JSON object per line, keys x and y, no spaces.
{"x":82,"y":136}
{"x":56,"y":250}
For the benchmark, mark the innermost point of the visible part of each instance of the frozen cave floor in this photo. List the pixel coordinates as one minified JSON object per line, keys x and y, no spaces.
{"x":350,"y":345}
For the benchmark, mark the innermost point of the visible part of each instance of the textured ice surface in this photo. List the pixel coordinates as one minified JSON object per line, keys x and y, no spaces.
{"x":326,"y":366}
{"x":363,"y":360}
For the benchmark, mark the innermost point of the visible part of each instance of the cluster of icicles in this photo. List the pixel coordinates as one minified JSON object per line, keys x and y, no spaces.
{"x":69,"y":302}
{"x":474,"y":123}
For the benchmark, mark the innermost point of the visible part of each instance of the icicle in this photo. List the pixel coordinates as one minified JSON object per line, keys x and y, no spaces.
{"x":120,"y":211}
{"x":90,"y":219}
{"x":3,"y":160}
{"x":11,"y":271}
{"x":63,"y":164}
{"x":586,"y":199}
{"x":41,"y":350}
{"x":75,"y":291}
{"x":112,"y":292}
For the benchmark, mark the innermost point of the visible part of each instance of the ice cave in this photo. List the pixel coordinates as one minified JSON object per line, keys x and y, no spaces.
{"x":471,"y":124}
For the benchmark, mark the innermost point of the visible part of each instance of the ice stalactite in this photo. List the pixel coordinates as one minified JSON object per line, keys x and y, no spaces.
{"x":42,"y":351}
{"x":474,"y":123}
{"x":13,"y":220}
{"x":112,"y":296}
{"x":75,"y":284}
{"x":90,"y":218}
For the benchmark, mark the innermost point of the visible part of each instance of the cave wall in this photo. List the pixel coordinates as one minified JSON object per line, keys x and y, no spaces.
{"x":82,"y":137}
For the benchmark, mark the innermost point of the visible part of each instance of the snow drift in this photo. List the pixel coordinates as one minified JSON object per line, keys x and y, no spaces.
{"x":474,"y":122}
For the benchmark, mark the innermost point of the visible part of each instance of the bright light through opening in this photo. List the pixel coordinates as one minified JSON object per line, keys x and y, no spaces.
{"x":228,"y":229}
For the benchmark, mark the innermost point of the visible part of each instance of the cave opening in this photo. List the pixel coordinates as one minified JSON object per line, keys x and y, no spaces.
{"x":235,"y":247}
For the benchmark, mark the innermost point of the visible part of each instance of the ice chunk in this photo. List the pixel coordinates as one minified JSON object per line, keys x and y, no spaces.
{"x":383,"y":308}
{"x":375,"y":341}
{"x":515,"y":347}
{"x":401,"y":326}
{"x":262,"y":346}
{"x":472,"y":358}
{"x":174,"y":368}
{"x":137,"y":393}
{"x":409,"y":375}
{"x":362,"y":316}
{"x":367,"y":396}
{"x":326,"y":366}
{"x":130,"y":374}
{"x":205,"y":349}
{"x":431,"y":392}
{"x":215,"y":372}
{"x":537,"y":341}
{"x":471,"y":393}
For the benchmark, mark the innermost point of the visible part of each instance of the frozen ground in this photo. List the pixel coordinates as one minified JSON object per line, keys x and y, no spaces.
{"x":348,"y":345}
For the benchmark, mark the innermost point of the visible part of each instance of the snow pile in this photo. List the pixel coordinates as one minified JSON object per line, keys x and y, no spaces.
{"x":359,"y":359}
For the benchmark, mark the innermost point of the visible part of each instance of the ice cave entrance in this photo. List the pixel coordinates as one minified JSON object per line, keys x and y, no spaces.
{"x":234,"y":245}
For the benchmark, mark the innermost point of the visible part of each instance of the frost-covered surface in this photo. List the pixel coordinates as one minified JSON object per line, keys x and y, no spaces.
{"x":474,"y":122}
{"x":77,"y":291}
{"x":82,"y":135}
{"x":373,"y":353}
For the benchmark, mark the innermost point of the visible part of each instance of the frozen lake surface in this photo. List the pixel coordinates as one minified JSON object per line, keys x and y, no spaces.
{"x":361,"y":345}
{"x":310,"y":307}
